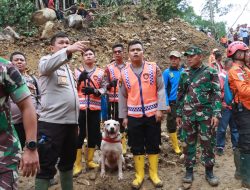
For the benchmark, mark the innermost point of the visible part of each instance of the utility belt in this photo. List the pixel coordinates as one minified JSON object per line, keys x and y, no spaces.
{"x":239,"y":107}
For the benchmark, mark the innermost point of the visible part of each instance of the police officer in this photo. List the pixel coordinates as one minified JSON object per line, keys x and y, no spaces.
{"x":198,"y":113}
{"x":239,"y":80}
{"x":141,"y":101}
{"x":113,"y":72}
{"x":91,"y":85}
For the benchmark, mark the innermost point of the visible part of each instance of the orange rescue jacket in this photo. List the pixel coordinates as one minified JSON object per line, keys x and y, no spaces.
{"x":92,"y":102}
{"x":142,"y":90}
{"x":239,"y":81}
{"x":114,"y":73}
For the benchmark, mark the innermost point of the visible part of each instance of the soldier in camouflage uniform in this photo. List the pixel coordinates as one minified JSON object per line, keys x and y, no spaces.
{"x":12,"y":85}
{"x":198,"y":112}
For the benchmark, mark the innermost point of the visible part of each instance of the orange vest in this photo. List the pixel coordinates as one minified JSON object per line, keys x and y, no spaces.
{"x":114,"y":73}
{"x":142,"y":90}
{"x":91,"y":101}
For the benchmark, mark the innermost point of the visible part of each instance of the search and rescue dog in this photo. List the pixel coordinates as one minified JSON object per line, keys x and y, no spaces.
{"x":111,"y":148}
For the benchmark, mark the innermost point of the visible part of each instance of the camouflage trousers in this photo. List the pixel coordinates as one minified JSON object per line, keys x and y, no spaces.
{"x":202,"y":132}
{"x":8,"y":180}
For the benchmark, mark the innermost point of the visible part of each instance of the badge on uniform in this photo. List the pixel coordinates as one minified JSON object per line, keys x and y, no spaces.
{"x":62,"y":80}
{"x":145,"y":76}
{"x":95,"y":77}
{"x":61,"y":77}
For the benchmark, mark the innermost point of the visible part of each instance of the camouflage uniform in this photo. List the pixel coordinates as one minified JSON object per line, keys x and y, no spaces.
{"x":11,"y":84}
{"x":197,"y":104}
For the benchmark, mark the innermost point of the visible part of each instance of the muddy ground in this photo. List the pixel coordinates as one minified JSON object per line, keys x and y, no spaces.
{"x":171,"y":171}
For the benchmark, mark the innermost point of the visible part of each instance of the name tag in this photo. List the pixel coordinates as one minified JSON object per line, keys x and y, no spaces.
{"x":62,"y":80}
{"x":62,"y":77}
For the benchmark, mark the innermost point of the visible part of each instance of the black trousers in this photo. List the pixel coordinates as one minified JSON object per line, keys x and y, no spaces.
{"x":242,"y":120}
{"x":94,"y":133}
{"x":144,"y":135}
{"x":113,"y":108}
{"x":59,"y":147}
{"x":21,"y":133}
{"x":171,"y":119}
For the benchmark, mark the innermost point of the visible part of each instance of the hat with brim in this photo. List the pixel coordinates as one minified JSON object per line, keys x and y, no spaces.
{"x":175,"y":54}
{"x":193,"y":50}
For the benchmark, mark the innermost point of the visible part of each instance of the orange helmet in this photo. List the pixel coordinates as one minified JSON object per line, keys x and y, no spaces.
{"x":237,"y":45}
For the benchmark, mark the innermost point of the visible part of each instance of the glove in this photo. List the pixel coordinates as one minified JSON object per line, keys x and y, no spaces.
{"x":113,"y":83}
{"x":88,"y":90}
{"x":83,"y":76}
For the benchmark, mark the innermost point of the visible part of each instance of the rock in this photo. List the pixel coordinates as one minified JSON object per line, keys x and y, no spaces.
{"x":42,"y":16}
{"x":74,"y":21}
{"x":129,"y":166}
{"x":9,"y":34}
{"x":48,"y":30}
{"x":182,"y":157}
{"x":186,"y":186}
{"x":171,"y":163}
{"x":83,"y":181}
{"x":92,"y":176}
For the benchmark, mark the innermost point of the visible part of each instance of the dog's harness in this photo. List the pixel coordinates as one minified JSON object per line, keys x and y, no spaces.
{"x":111,"y":140}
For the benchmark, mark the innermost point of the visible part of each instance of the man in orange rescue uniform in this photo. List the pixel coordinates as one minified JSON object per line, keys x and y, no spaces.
{"x":141,"y":101}
{"x":113,"y":72}
{"x":239,"y":81}
{"x":91,"y":85}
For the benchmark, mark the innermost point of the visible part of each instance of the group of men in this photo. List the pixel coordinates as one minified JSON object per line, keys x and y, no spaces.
{"x":69,"y":105}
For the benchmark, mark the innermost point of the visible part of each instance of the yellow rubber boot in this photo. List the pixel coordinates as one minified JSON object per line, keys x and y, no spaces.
{"x":175,"y":143}
{"x":153,"y":170}
{"x":78,"y":163}
{"x":124,"y":143}
{"x":91,"y":163}
{"x":139,"y":171}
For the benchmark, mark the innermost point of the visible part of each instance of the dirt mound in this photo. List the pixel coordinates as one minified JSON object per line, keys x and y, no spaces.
{"x":159,"y":38}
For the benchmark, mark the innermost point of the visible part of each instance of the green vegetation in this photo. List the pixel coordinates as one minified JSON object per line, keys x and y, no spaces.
{"x":18,"y":14}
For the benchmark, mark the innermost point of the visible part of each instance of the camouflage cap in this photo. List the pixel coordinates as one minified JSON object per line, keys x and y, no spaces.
{"x":193,"y":50}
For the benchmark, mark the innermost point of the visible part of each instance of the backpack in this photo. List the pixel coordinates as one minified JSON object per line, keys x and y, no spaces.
{"x":228,"y":95}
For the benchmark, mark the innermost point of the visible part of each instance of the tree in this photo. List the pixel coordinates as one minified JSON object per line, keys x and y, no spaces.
{"x":167,"y":9}
{"x":212,"y":8}
{"x":204,"y":25}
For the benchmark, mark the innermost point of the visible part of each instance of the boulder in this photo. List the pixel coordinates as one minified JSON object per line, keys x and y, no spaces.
{"x":40,"y":17}
{"x":74,"y":21}
{"x":48,"y":30}
{"x":9,"y":34}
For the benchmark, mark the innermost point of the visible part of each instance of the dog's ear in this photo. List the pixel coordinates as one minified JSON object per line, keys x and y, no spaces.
{"x":105,"y":123}
{"x":118,"y":124}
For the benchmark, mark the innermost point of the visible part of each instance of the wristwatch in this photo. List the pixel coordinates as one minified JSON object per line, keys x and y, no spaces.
{"x":31,"y":145}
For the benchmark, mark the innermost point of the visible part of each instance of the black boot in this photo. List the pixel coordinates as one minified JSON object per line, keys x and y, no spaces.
{"x":189,"y":177}
{"x":212,"y":180}
{"x":237,"y":163}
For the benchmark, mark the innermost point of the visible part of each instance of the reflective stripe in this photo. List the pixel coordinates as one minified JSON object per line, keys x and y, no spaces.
{"x":112,"y":72}
{"x":127,"y":78}
{"x":112,"y":97}
{"x":151,"y":74}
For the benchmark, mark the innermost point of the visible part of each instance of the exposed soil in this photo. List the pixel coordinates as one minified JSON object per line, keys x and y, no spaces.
{"x":171,"y":171}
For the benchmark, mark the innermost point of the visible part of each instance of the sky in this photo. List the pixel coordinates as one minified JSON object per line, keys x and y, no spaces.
{"x":231,"y":17}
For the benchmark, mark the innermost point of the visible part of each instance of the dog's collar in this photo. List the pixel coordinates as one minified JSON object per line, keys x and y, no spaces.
{"x":111,"y":140}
